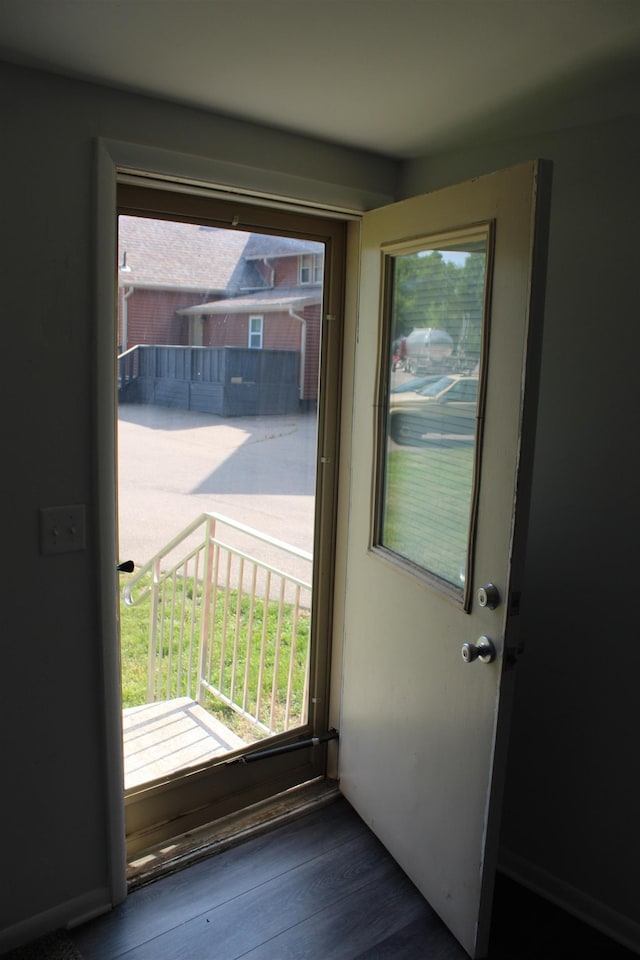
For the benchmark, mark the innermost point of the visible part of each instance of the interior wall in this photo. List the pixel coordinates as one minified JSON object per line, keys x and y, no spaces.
{"x":572,"y":792}
{"x":56,"y":851}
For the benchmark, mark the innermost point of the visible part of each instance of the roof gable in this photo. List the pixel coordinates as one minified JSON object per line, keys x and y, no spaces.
{"x":176,"y":255}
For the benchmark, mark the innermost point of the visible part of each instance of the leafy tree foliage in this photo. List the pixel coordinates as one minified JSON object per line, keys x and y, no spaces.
{"x":431,"y":291}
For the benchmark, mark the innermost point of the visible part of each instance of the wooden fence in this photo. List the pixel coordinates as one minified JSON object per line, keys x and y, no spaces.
{"x":228,"y":381}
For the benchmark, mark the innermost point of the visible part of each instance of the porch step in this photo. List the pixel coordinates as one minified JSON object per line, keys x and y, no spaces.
{"x":162,"y":738}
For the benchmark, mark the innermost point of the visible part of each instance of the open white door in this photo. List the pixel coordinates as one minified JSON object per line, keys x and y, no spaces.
{"x":434,"y":519}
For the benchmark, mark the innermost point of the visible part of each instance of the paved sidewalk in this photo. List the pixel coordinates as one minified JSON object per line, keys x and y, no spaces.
{"x":177,"y":464}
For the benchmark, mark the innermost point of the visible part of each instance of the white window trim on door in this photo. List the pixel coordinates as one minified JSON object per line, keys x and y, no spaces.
{"x":116,"y":160}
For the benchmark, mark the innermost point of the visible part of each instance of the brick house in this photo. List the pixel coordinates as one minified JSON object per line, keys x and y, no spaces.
{"x":185,"y":284}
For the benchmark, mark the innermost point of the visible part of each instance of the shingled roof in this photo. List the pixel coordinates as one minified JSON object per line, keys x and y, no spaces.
{"x":267,"y":301}
{"x":171,"y":255}
{"x":181,"y":256}
{"x":261,"y":246}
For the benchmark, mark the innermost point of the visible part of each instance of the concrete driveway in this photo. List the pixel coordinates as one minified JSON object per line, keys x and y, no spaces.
{"x":176,"y":464}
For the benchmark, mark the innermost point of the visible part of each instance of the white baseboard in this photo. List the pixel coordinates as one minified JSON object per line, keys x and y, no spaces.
{"x":65,"y":915}
{"x":615,"y":925}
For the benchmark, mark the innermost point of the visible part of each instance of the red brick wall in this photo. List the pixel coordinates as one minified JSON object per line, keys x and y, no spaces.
{"x":279,"y":332}
{"x":225,"y":331}
{"x":286,"y":272}
{"x":152,"y":317}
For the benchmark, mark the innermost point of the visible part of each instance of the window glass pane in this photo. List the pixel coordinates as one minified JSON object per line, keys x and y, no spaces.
{"x":255,"y":332}
{"x":436,"y":296}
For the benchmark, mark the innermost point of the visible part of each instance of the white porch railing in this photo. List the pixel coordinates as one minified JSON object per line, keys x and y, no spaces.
{"x":227,"y":623}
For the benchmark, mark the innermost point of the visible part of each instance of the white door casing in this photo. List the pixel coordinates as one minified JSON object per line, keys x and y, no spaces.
{"x":422,"y":733}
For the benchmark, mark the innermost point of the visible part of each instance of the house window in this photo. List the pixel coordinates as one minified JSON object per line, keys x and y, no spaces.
{"x":311,"y":268}
{"x":256,"y":325}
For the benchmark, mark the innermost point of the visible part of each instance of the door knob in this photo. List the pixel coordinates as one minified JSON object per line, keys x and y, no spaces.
{"x":127,"y":566}
{"x":489,"y":596}
{"x":483,"y":650}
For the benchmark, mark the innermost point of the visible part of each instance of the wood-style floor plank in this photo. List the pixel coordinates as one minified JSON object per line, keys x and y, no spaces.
{"x":320,"y":887}
{"x":158,"y":907}
{"x":365,"y":922}
{"x":239,"y":925}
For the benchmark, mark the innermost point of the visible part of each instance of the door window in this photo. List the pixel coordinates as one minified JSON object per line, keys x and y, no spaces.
{"x":436,"y":330}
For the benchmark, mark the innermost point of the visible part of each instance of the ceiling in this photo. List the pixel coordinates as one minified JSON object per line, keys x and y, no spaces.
{"x":398,"y":77}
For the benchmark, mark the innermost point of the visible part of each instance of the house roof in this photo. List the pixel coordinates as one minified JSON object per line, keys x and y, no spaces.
{"x":173,"y":255}
{"x":264,"y":245}
{"x":267,"y":301}
{"x":169,"y":254}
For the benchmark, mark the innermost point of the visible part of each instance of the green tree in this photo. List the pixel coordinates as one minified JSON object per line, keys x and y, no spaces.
{"x":431,"y":291}
{"x":471,"y":285}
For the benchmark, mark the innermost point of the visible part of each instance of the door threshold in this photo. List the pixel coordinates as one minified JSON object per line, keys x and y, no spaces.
{"x":185,"y":850}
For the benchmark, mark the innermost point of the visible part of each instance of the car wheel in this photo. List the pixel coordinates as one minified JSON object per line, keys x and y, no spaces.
{"x":406,"y":430}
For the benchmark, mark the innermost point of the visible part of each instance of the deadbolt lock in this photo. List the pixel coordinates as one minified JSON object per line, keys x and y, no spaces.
{"x":489,"y":596}
{"x":483,"y":650}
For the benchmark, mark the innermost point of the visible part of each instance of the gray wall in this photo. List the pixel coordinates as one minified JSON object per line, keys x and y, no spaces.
{"x":55,"y":850}
{"x":572,"y":788}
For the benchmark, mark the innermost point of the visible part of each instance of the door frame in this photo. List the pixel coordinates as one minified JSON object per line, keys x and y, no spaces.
{"x":158,"y":812}
{"x":191,"y":175}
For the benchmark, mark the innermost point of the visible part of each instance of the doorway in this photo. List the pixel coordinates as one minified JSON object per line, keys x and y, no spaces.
{"x":228,"y":376}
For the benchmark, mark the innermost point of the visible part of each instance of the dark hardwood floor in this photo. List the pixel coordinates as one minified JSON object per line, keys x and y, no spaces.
{"x":321,"y":887}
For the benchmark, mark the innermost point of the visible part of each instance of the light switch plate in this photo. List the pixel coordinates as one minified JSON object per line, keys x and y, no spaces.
{"x":62,"y":529}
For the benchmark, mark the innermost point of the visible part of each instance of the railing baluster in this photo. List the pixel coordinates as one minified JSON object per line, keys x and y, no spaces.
{"x":225,"y":623}
{"x":292,"y":658}
{"x":236,"y":642}
{"x":263,"y":642}
{"x":172,"y":630}
{"x":163,"y":635}
{"x":276,"y":659}
{"x":153,"y":637}
{"x":167,"y":584}
{"x":192,"y":630}
{"x":214,"y":613}
{"x":206,"y":594}
{"x":247,"y":668}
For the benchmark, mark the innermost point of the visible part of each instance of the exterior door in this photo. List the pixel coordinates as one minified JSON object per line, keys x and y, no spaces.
{"x":226,"y":456}
{"x":441,"y":454}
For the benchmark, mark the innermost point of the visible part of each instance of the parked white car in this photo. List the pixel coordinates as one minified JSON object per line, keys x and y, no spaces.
{"x":446,"y":407}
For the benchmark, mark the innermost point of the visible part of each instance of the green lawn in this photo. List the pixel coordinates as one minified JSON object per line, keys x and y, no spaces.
{"x":179,"y":649}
